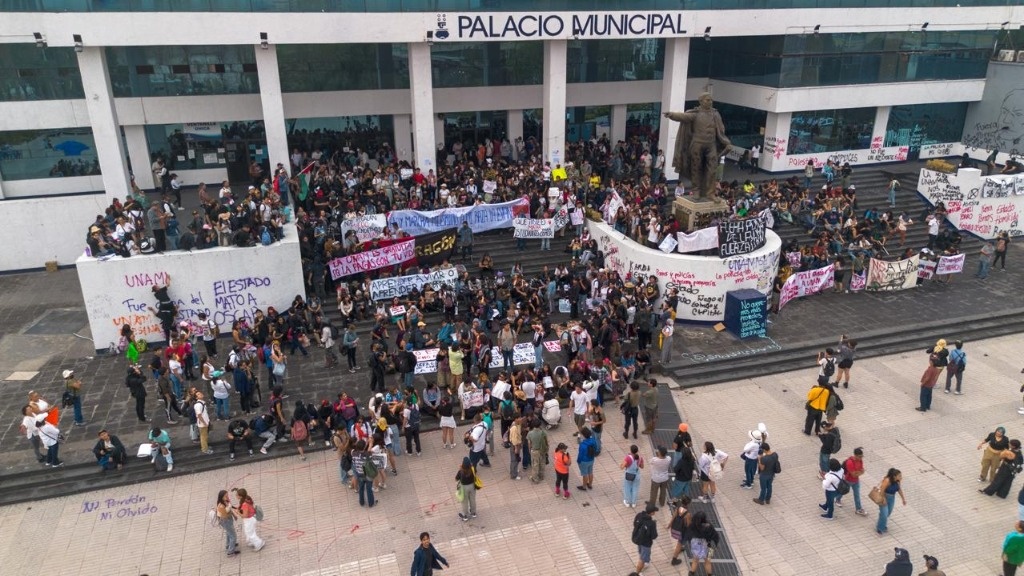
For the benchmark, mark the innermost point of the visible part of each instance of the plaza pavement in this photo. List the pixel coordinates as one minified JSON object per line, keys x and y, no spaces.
{"x":315,"y":527}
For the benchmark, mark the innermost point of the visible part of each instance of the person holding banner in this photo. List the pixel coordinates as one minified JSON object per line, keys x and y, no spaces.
{"x":938,"y":357}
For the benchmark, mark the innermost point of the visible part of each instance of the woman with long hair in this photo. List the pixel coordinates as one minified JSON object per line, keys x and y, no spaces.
{"x":466,"y":477}
{"x":226,"y":517}
{"x":890,"y":486}
{"x":709,"y":455}
{"x":247,"y":511}
{"x":631,"y":466}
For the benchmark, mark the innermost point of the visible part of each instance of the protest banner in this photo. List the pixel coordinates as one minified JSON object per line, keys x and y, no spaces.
{"x":388,"y":288}
{"x":951,"y":264}
{"x":740,"y":236}
{"x":426,"y":360}
{"x":926,"y":269}
{"x":552,"y":346}
{"x":481,"y":217}
{"x":397,"y":310}
{"x":668,"y":245}
{"x":561,"y":217}
{"x":433,"y":249}
{"x":806,"y":283}
{"x":703,"y":239}
{"x":858,"y":281}
{"x":373,"y":259}
{"x":534,"y":228}
{"x":366,"y":227}
{"x":889,"y":276}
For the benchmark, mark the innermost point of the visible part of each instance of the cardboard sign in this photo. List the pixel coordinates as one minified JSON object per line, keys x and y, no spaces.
{"x":368,"y":227}
{"x":472,"y":399}
{"x":926,"y":269}
{"x":397,"y":310}
{"x":668,"y":245}
{"x":858,"y":281}
{"x":534,"y":228}
{"x":740,"y":236}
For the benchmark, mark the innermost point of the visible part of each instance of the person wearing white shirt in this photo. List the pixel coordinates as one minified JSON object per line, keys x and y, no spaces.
{"x":750,"y":453}
{"x":203,"y":423}
{"x":831,"y":486}
{"x":578,"y":401}
{"x":710,"y":454}
{"x":50,"y":436}
{"x":28,"y":428}
{"x":660,"y":467}
{"x":653,"y":231}
{"x":666,"y":341}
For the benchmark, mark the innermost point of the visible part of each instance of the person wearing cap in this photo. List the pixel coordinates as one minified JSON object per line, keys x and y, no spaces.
{"x":749,"y":455}
{"x":109,"y":451}
{"x":931,"y":564}
{"x":645,"y":532}
{"x":73,"y":393}
{"x":900,"y":564}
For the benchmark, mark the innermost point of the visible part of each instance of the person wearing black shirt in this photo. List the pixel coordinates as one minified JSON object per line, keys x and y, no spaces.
{"x":239,"y":431}
{"x":135,"y":381}
{"x":242,"y":238}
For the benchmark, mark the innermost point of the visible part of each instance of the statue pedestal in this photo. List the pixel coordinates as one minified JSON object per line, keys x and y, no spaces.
{"x":695,"y":213}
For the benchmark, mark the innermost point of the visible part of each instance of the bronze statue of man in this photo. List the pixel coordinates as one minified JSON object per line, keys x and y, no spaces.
{"x":700,"y":145}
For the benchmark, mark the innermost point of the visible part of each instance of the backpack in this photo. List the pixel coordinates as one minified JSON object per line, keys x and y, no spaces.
{"x":414,"y":418}
{"x":837,"y":441}
{"x":334,"y":331}
{"x":843,"y":488}
{"x":299,"y":431}
{"x":406,"y":362}
{"x":265,"y":238}
{"x":839,"y":402}
{"x":508,"y":410}
{"x":640,"y":529}
{"x":715,"y":469}
{"x":829,"y":368}
{"x":778,"y":466}
{"x":369,"y":468}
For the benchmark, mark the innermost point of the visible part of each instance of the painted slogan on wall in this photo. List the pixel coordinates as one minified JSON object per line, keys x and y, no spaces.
{"x":981,"y":205}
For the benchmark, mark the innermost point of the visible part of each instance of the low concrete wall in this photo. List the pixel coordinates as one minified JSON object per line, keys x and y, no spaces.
{"x":702,"y":281}
{"x":225,"y":283}
{"x":42,"y":229}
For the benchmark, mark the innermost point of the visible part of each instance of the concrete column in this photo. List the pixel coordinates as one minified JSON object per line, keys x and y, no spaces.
{"x":421,"y":90}
{"x":515,"y":126}
{"x":273,"y":107}
{"x":673,"y":97}
{"x":1,"y":186}
{"x":774,"y":153}
{"x":881,"y":123}
{"x":138,"y":153}
{"x":106,"y":132}
{"x":403,"y":136}
{"x":555,"y":53}
{"x":618,"y":123}
{"x":439,"y":135}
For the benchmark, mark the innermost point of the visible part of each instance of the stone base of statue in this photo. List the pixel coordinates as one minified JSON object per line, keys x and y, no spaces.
{"x":694,"y":213}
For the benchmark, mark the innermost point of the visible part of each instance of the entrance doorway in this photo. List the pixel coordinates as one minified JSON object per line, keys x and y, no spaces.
{"x":470,"y":129}
{"x":239,"y":154}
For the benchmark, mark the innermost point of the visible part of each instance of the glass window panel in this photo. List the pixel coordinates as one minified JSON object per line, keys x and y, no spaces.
{"x":56,"y":153}
{"x":331,"y":67}
{"x":831,"y":130}
{"x":643,"y":121}
{"x":31,"y":73}
{"x":138,"y":71}
{"x":615,"y":60}
{"x":334,"y":135}
{"x":743,"y":125}
{"x":185,"y":146}
{"x":922,"y":124}
{"x":461,"y":64}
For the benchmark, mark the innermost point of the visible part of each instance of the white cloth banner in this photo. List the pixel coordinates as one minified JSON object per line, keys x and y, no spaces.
{"x":576,"y":217}
{"x":668,"y":245}
{"x":858,"y":281}
{"x":805,"y":283}
{"x":368,"y":227}
{"x":373,"y":259}
{"x":426,"y":360}
{"x":886,"y":276}
{"x":951,"y":264}
{"x":534,"y":228}
{"x":703,"y":239}
{"x":926,"y":269}
{"x":388,"y":288}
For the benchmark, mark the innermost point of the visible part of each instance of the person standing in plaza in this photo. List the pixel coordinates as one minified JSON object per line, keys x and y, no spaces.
{"x":426,"y":558}
{"x":666,"y":340}
{"x":937,"y":360}
{"x":208,"y":329}
{"x":890,"y":486}
{"x":894,"y":186}
{"x":225,"y":514}
{"x":364,"y":483}
{"x":631,"y":466}
{"x":247,"y":512}
{"x":631,"y":407}
{"x":767,"y":467}
{"x":1002,"y":244}
{"x":595,"y":421}
{"x":678,"y":525}
{"x":995,"y":443}
{"x":537,"y":443}
{"x":755,"y":158}
{"x":830,"y":441}
{"x":73,"y":390}
{"x":585,"y":460}
{"x":578,"y":403}
{"x":649,"y":402}
{"x":1009,"y":465}
{"x":853,"y":469}
{"x":985,"y":260}
{"x":202,"y":422}
{"x":515,"y":448}
{"x":845,"y":353}
{"x":466,"y":477}
{"x":749,"y":456}
{"x":703,"y":539}
{"x":645,"y":532}
{"x":817,"y":401}
{"x":956,"y":366}
{"x":135,"y":382}
{"x":562,"y":463}
{"x":711,"y":465}
{"x":830,"y":482}
{"x":51,"y":438}
{"x":1013,"y":549}
{"x":661,"y":473}
{"x":28,"y":428}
